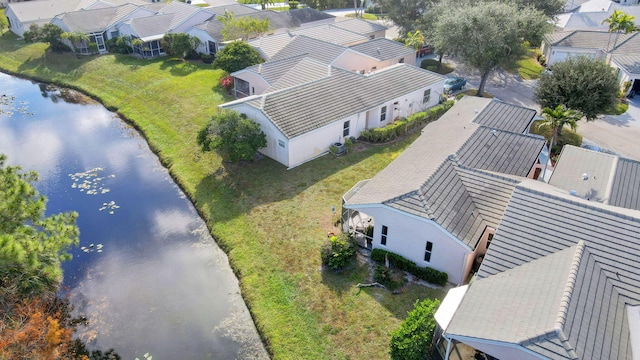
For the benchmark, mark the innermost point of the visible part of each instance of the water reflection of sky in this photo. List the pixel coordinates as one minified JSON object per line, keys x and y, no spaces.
{"x":149,"y":277}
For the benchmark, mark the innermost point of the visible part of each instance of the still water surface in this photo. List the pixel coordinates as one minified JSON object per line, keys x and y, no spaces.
{"x":147,"y":274}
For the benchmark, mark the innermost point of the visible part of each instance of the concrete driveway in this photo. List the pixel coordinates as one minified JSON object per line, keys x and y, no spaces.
{"x":618,"y":133}
{"x":503,"y":85}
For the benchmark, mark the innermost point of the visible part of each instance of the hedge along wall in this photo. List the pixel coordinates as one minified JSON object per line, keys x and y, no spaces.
{"x":425,"y":273}
{"x":403,"y":126}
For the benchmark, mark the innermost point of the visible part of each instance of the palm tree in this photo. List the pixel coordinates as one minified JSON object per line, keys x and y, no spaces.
{"x":619,"y":22}
{"x":264,"y":3}
{"x":414,"y":40}
{"x":557,"y":118}
{"x":76,"y":38}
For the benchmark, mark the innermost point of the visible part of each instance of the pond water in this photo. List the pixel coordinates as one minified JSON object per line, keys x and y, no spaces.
{"x":147,"y":274}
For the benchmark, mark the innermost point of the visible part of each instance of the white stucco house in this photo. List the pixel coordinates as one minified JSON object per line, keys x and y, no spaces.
{"x":439,"y":203}
{"x":302,"y":121}
{"x":560,"y":279}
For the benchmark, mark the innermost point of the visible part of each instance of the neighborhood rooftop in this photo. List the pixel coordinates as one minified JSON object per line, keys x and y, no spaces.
{"x":281,"y":74}
{"x":93,"y":20}
{"x":298,"y":110}
{"x":453,"y":132}
{"x":504,"y":116}
{"x":596,"y":176}
{"x":317,"y":49}
{"x":331,"y":33}
{"x":539,"y":222}
{"x":382,"y":49}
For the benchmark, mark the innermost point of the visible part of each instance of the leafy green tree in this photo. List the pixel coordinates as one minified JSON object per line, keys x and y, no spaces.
{"x":557,"y":118}
{"x":179,"y":44}
{"x":31,"y":245}
{"x":243,"y":27}
{"x":236,"y":56}
{"x":487,"y":34}
{"x":49,"y":33}
{"x":234,"y":135}
{"x":581,"y":83}
{"x":413,"y":339}
{"x":4,"y":23}
{"x":620,"y":22}
{"x":404,"y":13}
{"x":264,"y":3}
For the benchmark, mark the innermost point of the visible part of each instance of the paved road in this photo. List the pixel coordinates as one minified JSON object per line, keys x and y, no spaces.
{"x":503,"y":85}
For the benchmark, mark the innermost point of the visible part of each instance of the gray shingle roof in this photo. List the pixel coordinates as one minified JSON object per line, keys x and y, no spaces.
{"x":462,"y":200}
{"x":304,"y":71}
{"x":298,"y":110}
{"x":522,"y":304}
{"x":156,"y":25}
{"x":503,"y":116}
{"x":589,"y":40}
{"x":270,"y":45}
{"x":331,"y":34}
{"x":359,"y":26}
{"x":424,"y":156}
{"x":281,"y":74}
{"x":629,"y":45}
{"x":382,"y":49}
{"x":541,"y":220}
{"x":501,"y":151}
{"x":630,"y":63}
{"x":625,"y":189}
{"x":236,"y":9}
{"x":314,"y":48}
{"x":93,"y":20}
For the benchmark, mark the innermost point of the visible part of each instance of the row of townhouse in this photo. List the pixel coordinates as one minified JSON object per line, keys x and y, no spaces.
{"x":554,"y":266}
{"x":149,"y":21}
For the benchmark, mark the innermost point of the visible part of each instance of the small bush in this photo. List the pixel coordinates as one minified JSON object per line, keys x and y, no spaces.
{"x":425,"y":273}
{"x":388,"y":278}
{"x":93,"y":48}
{"x":192,"y":55}
{"x":293,"y":5}
{"x":404,"y":126}
{"x":339,"y":252}
{"x":412,"y":341}
{"x":206,"y":58}
{"x":542,"y":59}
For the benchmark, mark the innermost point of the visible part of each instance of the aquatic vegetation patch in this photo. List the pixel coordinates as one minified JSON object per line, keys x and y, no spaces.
{"x":111,"y":206}
{"x":89,"y":182}
{"x":92,"y":248}
{"x":8,"y":106}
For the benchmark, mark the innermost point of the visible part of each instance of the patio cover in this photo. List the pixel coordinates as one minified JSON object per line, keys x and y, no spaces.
{"x":449,"y":306}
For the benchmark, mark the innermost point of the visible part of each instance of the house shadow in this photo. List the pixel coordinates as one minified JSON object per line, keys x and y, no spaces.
{"x":246,"y":185}
{"x":49,"y":62}
{"x":344,"y":280}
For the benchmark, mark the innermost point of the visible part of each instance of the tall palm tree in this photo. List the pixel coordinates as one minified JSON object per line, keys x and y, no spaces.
{"x":619,"y":22}
{"x":557,"y":118}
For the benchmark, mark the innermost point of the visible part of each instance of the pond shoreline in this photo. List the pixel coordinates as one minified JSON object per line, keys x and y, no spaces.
{"x":167,"y":165}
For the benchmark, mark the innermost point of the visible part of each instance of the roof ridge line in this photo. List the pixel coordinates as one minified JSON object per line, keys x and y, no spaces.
{"x":568,"y":289}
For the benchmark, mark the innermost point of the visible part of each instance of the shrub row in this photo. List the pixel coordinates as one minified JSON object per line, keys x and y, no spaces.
{"x":425,"y":273}
{"x":403,"y":126}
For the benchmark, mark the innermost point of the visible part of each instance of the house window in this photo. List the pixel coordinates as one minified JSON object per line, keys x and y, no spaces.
{"x":114,"y":34}
{"x":427,"y":251}
{"x":281,"y":143}
{"x":426,"y":96}
{"x":401,"y":61}
{"x":345,"y":128}
{"x":383,"y":113}
{"x":383,"y":237}
{"x":489,"y":239}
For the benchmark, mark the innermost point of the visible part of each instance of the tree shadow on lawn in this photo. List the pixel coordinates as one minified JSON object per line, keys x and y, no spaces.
{"x":345,"y":280}
{"x":51,"y":62}
{"x":178,"y":67}
{"x":251,"y":184}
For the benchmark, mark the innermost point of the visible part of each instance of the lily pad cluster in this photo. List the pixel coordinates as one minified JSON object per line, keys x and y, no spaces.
{"x":92,"y":248}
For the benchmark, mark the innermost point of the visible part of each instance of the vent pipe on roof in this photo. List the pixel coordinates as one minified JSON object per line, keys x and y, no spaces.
{"x":573,"y":192}
{"x":585,"y":176}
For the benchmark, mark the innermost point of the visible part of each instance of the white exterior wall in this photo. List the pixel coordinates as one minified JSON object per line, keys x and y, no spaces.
{"x":317,"y":142}
{"x":204,"y":38}
{"x":558,"y":53}
{"x":354,"y":61}
{"x":273,"y":150}
{"x":16,"y":26}
{"x":257,"y":84}
{"x":60,"y":23}
{"x":507,"y":351}
{"x":407,"y":236}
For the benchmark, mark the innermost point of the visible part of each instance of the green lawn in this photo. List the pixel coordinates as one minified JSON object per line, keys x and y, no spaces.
{"x":365,"y":16}
{"x":435,"y":66}
{"x":269,"y":220}
{"x":567,"y":137}
{"x":528,"y":66}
